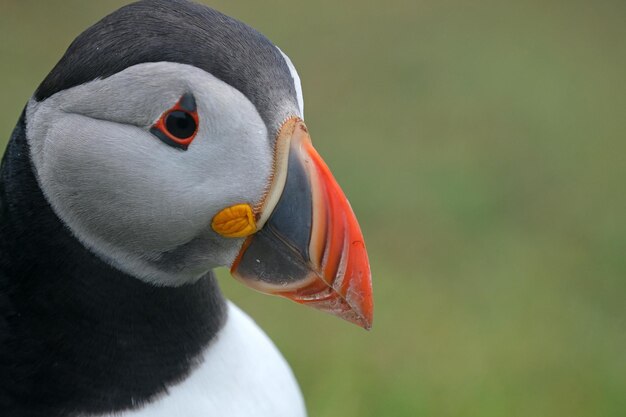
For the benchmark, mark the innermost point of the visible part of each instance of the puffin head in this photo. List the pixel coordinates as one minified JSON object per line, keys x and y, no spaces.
{"x":170,"y":139}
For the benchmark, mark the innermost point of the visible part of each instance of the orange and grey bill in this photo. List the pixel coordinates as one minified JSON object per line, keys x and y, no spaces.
{"x":309,"y":246}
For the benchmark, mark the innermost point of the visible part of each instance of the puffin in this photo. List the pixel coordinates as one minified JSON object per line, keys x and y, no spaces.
{"x":169,"y":140}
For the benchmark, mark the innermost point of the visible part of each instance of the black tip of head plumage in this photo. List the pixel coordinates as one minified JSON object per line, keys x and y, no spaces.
{"x":183,"y":32}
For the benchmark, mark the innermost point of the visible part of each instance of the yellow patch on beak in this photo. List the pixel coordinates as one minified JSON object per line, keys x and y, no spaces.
{"x":235,"y":221}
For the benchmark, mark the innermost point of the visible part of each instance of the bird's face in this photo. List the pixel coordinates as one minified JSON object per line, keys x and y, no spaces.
{"x":165,"y":170}
{"x":138,"y":178}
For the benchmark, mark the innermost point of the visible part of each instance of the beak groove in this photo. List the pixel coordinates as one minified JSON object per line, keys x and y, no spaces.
{"x":310,"y":249}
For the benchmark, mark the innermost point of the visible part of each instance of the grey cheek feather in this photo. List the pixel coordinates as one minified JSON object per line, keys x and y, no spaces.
{"x":141,"y":205}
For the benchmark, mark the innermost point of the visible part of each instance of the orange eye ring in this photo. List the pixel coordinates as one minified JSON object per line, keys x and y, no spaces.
{"x":178,"y":126}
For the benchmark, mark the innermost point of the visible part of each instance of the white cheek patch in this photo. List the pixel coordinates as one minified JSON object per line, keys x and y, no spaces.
{"x":296,"y":82}
{"x":142,"y":205}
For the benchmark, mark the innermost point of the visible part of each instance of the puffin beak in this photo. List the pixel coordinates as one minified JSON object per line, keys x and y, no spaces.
{"x":308,"y":246}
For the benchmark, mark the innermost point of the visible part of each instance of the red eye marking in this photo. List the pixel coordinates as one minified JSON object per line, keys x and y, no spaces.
{"x":178,"y":126}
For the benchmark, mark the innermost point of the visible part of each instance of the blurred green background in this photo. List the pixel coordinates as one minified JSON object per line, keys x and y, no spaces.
{"x":482,"y":145}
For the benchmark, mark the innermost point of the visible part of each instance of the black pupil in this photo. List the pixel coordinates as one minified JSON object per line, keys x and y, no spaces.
{"x":180,"y":124}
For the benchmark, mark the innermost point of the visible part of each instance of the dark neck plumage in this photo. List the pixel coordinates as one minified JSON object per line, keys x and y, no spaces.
{"x":77,"y":335}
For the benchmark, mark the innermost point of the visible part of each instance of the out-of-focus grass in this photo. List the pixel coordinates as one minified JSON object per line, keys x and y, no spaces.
{"x":482,"y":145}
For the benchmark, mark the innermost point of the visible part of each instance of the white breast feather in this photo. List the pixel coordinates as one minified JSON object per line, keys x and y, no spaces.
{"x":242,"y":375}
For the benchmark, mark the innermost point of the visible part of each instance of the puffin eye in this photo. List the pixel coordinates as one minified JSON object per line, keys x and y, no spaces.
{"x":178,"y":126}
